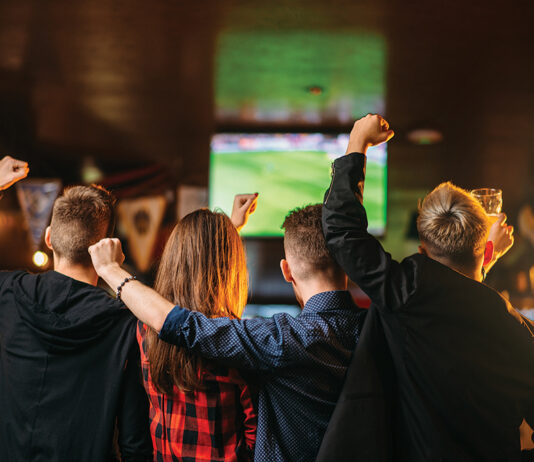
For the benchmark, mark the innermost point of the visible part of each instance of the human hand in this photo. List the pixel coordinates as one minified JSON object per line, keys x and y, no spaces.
{"x":370,"y":130}
{"x":11,"y":171}
{"x":244,"y":206}
{"x":502,"y":236}
{"x":106,"y":255}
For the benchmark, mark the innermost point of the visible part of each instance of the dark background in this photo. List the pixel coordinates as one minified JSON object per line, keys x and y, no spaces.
{"x":133,"y":84}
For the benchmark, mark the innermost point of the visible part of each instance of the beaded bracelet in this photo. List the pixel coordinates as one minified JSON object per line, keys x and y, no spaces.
{"x":119,"y":289}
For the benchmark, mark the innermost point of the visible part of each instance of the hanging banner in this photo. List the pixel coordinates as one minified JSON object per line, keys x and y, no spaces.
{"x":191,"y":198}
{"x":36,"y":199}
{"x":141,"y":219}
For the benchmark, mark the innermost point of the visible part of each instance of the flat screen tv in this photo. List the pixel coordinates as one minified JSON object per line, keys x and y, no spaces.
{"x":288,"y":170}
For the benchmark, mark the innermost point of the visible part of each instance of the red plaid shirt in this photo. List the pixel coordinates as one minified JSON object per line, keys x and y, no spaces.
{"x":212,"y":425}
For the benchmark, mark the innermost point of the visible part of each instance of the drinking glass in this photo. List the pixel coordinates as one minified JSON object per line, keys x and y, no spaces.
{"x":491,"y":201}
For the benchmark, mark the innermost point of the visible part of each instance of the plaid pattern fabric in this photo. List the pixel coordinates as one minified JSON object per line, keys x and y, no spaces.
{"x":212,"y":425}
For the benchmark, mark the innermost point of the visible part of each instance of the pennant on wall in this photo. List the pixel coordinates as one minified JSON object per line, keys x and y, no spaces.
{"x":141,"y":219}
{"x":36,"y":199}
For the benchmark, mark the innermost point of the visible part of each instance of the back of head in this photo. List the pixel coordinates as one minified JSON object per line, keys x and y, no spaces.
{"x":305,"y":246}
{"x":203,"y":268}
{"x":81,"y":217}
{"x":453,"y":225}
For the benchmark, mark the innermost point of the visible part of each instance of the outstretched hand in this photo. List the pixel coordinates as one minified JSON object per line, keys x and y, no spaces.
{"x":11,"y":171}
{"x":370,"y":130}
{"x":502,"y":236}
{"x":106,"y":254}
{"x":244,"y":206}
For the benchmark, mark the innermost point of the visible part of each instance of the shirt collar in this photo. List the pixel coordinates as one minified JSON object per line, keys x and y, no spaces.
{"x":333,"y":299}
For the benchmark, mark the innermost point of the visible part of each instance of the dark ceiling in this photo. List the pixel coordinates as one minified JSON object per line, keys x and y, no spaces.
{"x":135,"y":82}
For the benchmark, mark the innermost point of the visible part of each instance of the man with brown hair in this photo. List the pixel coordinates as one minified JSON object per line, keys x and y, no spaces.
{"x":69,"y":362}
{"x":301,"y":361}
{"x":462,"y":357}
{"x":81,"y":215}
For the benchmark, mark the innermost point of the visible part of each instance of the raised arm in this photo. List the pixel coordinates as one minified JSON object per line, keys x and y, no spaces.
{"x":387,"y":282}
{"x":244,"y":206}
{"x":146,"y":304}
{"x":253,"y":344}
{"x":257,"y":344}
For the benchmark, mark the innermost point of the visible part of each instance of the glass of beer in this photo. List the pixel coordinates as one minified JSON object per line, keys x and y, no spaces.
{"x":491,"y":201}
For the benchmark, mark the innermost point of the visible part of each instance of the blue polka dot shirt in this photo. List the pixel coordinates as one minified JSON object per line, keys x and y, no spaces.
{"x":300,"y":361}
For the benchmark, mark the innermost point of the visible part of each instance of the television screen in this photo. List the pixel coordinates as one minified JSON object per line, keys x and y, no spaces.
{"x":288,"y":170}
{"x":268,"y":311}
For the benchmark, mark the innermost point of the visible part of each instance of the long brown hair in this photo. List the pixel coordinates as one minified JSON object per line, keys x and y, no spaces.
{"x":203,"y":268}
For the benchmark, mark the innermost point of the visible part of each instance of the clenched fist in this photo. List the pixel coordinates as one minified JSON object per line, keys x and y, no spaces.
{"x":244,"y":206}
{"x":106,"y":254}
{"x":11,"y":171}
{"x":370,"y":130}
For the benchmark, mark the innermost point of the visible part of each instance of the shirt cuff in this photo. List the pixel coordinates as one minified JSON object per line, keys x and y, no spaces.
{"x":174,"y":321}
{"x":349,"y":158}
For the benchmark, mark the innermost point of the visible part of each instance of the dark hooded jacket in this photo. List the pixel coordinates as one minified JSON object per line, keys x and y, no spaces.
{"x":69,"y":373}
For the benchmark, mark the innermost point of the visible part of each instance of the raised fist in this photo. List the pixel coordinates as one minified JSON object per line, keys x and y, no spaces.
{"x":11,"y":171}
{"x":370,"y":130}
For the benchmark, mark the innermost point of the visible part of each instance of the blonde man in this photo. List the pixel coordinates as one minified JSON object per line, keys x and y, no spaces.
{"x":454,"y":230}
{"x":462,"y":356}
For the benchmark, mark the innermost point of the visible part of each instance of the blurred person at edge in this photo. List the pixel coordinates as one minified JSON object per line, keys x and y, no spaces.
{"x":69,"y":368}
{"x":444,"y":370}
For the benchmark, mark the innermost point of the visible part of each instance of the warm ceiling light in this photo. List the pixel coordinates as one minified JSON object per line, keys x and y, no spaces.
{"x":425,"y":136}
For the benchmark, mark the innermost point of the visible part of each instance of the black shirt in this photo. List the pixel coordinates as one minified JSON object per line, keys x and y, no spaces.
{"x":463,"y":357}
{"x":69,"y":372}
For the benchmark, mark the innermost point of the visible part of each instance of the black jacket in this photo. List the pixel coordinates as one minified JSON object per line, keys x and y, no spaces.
{"x":463,"y":357}
{"x":69,"y":372}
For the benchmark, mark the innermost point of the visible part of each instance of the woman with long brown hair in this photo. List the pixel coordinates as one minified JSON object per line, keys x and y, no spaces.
{"x":199,"y":411}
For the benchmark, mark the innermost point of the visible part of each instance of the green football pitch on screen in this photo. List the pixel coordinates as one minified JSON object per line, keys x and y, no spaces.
{"x":287,"y":176}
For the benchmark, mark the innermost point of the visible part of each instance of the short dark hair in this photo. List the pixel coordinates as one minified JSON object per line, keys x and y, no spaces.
{"x":81,"y":216}
{"x":304,"y":241}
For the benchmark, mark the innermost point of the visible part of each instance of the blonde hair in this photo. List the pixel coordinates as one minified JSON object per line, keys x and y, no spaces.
{"x":453,"y":224}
